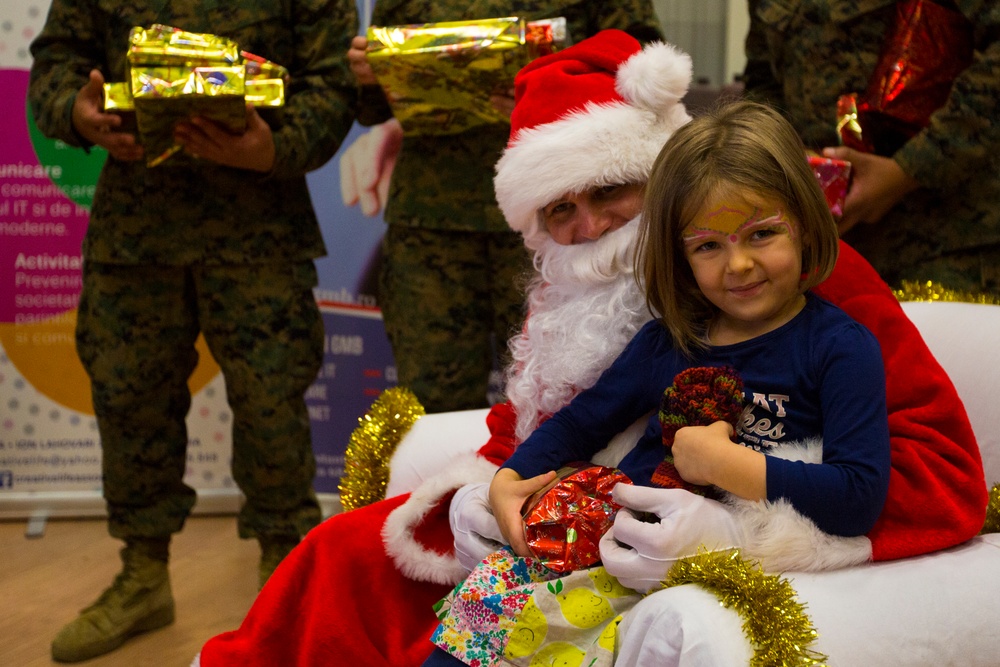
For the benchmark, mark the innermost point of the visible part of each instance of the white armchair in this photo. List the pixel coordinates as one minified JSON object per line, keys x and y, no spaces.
{"x":939,"y":609}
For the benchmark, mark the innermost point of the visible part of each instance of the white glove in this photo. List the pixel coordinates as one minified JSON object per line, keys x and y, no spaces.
{"x":476,"y":531}
{"x":639,"y":553}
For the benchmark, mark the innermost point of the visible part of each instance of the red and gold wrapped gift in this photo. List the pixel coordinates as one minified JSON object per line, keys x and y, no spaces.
{"x":563,"y":524}
{"x":439,"y":78}
{"x":174,"y":75}
{"x":834,"y":178}
{"x":927,"y":48}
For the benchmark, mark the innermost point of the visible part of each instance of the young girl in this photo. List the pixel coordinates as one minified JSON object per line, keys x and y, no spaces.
{"x":735,"y":232}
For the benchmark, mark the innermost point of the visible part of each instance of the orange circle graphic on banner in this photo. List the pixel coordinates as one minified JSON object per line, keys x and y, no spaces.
{"x":45,"y":354}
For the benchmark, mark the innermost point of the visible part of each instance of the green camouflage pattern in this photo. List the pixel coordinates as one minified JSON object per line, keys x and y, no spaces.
{"x":196,"y":211}
{"x":173,"y":251}
{"x":136,"y":330}
{"x":803,"y":54}
{"x":445,"y":296}
{"x":446,"y":182}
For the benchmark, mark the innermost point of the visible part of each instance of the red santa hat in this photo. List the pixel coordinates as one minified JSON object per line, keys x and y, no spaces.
{"x":593,"y":114}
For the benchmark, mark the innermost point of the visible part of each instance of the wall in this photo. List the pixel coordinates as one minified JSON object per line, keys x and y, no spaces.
{"x":711,"y":31}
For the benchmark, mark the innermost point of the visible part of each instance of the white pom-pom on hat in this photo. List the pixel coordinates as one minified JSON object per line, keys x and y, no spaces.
{"x":656,"y":78}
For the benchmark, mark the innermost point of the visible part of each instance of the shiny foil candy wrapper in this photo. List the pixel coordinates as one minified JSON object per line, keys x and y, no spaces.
{"x":563,"y":524}
{"x":927,"y":48}
{"x":834,"y":178}
{"x":174,"y":75}
{"x":439,"y":78}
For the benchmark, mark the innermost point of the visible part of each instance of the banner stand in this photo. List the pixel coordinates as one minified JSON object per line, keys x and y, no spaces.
{"x":42,"y":505}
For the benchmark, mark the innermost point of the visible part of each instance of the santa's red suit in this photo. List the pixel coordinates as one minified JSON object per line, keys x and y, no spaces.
{"x":359,"y":589}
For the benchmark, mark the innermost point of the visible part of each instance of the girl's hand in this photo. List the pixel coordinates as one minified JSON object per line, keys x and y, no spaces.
{"x":696,"y":448}
{"x":707,"y":455}
{"x":508,"y":493}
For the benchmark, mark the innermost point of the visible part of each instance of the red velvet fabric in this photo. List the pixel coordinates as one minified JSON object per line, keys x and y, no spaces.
{"x":337,"y":599}
{"x":937,"y":493}
{"x":501,"y":421}
{"x":572,"y":79}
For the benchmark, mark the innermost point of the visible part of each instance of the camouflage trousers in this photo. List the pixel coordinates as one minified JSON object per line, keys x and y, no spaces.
{"x":136,"y":330}
{"x":450,"y":301}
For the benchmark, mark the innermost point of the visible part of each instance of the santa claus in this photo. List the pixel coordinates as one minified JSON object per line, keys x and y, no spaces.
{"x":587,"y":126}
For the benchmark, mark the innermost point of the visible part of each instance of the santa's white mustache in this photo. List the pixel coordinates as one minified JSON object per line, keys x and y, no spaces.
{"x":603,"y":260}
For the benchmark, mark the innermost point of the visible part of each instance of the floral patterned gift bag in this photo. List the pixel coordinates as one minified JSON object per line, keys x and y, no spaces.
{"x":514,"y":611}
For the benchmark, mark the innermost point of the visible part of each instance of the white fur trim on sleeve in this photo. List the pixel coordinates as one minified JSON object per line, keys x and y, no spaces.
{"x":783,"y":540}
{"x":412,"y":558}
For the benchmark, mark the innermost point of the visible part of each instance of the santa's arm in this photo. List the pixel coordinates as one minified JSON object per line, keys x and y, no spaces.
{"x":937,"y":491}
{"x":417,"y":534}
{"x":502,"y":423}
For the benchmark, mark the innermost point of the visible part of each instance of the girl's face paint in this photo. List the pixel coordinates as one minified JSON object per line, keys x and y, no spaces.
{"x":746,"y":256}
{"x":733,"y":221}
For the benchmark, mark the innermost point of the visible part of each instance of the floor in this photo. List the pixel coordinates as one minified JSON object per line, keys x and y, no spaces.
{"x":45,"y":581}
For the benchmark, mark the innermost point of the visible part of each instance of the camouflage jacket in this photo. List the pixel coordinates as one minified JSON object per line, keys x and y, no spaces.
{"x":446,"y":182}
{"x":202,"y":212}
{"x":803,"y":54}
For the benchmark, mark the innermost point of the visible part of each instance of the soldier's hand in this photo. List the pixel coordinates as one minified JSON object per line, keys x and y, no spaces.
{"x":357,"y":56}
{"x":99,"y":128}
{"x":877,"y":184}
{"x":206,"y":139}
{"x":503,"y":102}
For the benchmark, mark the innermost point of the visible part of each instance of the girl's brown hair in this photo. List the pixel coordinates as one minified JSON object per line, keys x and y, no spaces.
{"x":741,"y":146}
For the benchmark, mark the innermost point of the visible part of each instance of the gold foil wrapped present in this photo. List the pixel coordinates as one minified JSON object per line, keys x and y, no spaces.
{"x":174,"y":75}
{"x":439,"y":78}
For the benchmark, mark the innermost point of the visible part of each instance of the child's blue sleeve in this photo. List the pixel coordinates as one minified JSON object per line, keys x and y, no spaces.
{"x":843,"y":496}
{"x":627,"y":390}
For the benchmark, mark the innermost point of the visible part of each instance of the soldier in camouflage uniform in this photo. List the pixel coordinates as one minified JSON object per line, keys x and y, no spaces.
{"x":943,"y":185}
{"x":221,"y":243}
{"x":450,"y":286}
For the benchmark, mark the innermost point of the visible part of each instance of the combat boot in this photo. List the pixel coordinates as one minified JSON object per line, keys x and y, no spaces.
{"x":273,"y":549}
{"x":139,"y":600}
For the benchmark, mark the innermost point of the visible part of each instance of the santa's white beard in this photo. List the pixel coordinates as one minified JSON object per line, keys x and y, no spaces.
{"x":583,"y":308}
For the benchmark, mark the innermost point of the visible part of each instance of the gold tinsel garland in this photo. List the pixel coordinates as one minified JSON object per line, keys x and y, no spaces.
{"x":913,"y":290}
{"x":774,"y":622}
{"x":380,"y":430}
{"x":992,"y":524}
